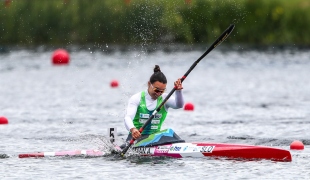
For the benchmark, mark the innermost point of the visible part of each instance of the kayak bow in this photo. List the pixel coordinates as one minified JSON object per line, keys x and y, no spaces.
{"x":63,"y":153}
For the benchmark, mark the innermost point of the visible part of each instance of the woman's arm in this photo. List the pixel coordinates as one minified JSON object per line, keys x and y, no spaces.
{"x":131,"y":110}
{"x":177,"y":101}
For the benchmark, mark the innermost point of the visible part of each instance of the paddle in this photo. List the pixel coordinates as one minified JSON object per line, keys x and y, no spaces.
{"x":217,"y":42}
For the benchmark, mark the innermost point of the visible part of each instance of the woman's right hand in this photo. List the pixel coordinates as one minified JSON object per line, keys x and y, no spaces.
{"x":135,"y":133}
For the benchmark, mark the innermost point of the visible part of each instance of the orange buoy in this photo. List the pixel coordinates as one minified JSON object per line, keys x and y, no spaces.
{"x":3,"y":120}
{"x":127,"y":2}
{"x":189,"y":107}
{"x":60,"y":57}
{"x":297,"y":145}
{"x":114,"y":83}
{"x":188,"y":1}
{"x":7,"y":3}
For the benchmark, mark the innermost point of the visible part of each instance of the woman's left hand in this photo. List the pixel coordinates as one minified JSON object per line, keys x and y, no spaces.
{"x":178,"y":85}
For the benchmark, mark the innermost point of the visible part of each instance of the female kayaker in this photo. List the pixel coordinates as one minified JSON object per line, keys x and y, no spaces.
{"x":141,"y":105}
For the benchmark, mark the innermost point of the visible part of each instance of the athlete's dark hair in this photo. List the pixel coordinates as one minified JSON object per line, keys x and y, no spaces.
{"x":158,"y":76}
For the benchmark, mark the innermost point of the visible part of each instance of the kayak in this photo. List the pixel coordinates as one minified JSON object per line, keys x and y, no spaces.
{"x":168,"y":143}
{"x":183,"y":150}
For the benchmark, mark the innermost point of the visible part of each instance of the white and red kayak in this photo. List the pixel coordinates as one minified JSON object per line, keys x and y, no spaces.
{"x":168,"y":143}
{"x":182,"y":150}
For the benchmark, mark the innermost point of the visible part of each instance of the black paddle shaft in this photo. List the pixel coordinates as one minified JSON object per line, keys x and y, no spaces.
{"x":217,"y":42}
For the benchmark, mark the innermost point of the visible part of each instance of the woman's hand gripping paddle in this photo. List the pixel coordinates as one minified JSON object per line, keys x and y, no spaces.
{"x":217,"y":42}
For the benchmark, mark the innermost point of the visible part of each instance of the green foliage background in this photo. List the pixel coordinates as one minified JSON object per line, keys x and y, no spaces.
{"x":156,"y":21}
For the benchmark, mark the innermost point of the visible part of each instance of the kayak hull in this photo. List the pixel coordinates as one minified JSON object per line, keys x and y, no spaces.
{"x":183,"y":150}
{"x":217,"y":150}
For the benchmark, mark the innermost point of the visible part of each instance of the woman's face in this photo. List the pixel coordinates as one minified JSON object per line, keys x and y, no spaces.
{"x":156,"y":89}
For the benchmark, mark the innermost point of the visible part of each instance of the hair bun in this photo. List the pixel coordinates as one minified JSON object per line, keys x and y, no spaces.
{"x":158,"y":76}
{"x":156,"y":69}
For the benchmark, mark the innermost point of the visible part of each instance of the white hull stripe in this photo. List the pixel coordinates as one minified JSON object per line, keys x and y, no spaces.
{"x":49,"y":153}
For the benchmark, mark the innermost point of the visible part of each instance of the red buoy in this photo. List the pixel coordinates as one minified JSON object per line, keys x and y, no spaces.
{"x":60,"y":57}
{"x":297,"y":145}
{"x":3,"y":120}
{"x":189,"y":107}
{"x":114,"y":83}
{"x":127,"y":2}
{"x":188,"y":1}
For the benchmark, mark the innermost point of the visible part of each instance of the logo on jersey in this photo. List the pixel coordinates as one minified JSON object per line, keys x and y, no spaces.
{"x":144,"y":115}
{"x":155,"y":121}
{"x":154,"y":127}
{"x":157,"y":116}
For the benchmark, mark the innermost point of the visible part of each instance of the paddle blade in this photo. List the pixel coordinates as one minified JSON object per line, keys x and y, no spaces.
{"x":224,"y":35}
{"x":127,"y":147}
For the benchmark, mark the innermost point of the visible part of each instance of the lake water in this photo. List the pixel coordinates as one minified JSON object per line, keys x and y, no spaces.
{"x":241,"y":95}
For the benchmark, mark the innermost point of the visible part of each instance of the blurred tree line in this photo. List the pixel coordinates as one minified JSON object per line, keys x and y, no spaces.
{"x":160,"y":21}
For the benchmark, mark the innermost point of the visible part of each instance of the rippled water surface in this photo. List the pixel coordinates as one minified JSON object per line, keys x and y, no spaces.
{"x":257,"y":97}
